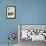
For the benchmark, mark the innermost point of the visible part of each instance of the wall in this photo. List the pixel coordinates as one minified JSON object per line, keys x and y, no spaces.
{"x":31,"y":11}
{"x":27,"y":12}
{"x":6,"y":25}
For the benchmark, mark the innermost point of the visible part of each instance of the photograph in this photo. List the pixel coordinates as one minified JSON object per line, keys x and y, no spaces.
{"x":11,"y":12}
{"x":29,"y":34}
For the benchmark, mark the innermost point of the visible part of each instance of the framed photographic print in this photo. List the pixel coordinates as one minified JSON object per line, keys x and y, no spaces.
{"x":11,"y":12}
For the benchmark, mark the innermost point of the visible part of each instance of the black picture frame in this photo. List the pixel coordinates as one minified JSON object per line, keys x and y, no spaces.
{"x":14,"y":13}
